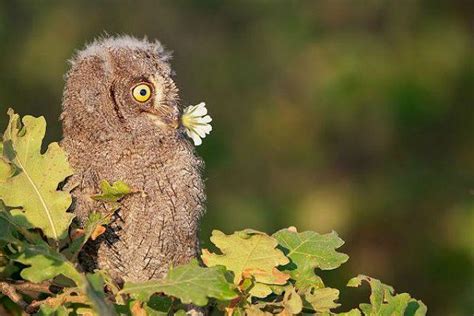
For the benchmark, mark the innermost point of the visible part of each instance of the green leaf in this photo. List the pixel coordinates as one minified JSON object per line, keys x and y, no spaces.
{"x":45,"y":263}
{"x":248,"y":253}
{"x":383,"y":302}
{"x":32,"y":192}
{"x":416,"y":308}
{"x":379,"y":290}
{"x":138,"y":308}
{"x":7,"y":267}
{"x":306,"y":279}
{"x":158,"y":305}
{"x":7,"y":229}
{"x":352,"y":312}
{"x":93,"y":221}
{"x":260,"y":290}
{"x":112,"y":193}
{"x":94,"y":289}
{"x":190,"y":283}
{"x":307,"y":251}
{"x":84,"y":311}
{"x":322,"y":300}
{"x":5,"y":169}
{"x":46,"y":310}
{"x":15,"y":225}
{"x":292,"y":301}
{"x":396,"y":305}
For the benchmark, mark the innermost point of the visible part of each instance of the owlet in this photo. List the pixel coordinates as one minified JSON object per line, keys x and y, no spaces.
{"x":121,"y":121}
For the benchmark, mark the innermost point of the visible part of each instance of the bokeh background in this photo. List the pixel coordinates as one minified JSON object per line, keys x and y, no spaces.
{"x":328,"y":115}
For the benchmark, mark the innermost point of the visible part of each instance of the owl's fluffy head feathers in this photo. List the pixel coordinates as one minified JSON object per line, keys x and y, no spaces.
{"x":110,"y":43}
{"x":104,"y":92}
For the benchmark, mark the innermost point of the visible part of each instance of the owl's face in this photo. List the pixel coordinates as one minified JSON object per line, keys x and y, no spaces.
{"x":121,"y":84}
{"x":143,"y":90}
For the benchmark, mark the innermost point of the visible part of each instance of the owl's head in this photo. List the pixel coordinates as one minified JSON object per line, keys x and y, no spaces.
{"x":120,"y":84}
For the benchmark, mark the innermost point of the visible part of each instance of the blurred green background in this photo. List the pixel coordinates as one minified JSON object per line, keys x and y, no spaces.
{"x":328,"y":115}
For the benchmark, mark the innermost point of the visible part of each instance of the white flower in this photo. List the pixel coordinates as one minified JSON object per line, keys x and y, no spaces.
{"x":196,"y":122}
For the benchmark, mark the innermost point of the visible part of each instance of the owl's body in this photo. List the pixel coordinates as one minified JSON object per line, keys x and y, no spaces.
{"x":108,"y":134}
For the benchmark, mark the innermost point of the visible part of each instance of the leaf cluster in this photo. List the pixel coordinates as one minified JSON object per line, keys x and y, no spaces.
{"x":250,"y":272}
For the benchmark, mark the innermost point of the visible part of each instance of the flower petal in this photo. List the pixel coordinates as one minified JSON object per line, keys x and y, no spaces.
{"x":189,"y":133}
{"x":206,"y":128}
{"x":196,"y":122}
{"x":204,"y":120}
{"x":188,"y":110}
{"x":200,"y":131}
{"x":196,"y":139}
{"x":200,"y":109}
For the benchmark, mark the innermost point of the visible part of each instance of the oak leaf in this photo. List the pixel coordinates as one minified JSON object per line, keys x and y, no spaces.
{"x":190,"y":283}
{"x":248,"y":253}
{"x":384,"y":301}
{"x":31,"y":190}
{"x":309,"y":250}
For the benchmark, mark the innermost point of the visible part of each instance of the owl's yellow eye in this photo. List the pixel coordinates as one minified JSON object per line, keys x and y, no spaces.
{"x":141,"y":92}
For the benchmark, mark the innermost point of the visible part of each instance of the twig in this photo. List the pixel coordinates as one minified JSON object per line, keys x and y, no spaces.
{"x":58,"y":300}
{"x":45,"y":287}
{"x":10,"y":291}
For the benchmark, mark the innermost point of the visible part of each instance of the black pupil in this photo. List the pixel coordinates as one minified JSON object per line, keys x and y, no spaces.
{"x":143,"y":92}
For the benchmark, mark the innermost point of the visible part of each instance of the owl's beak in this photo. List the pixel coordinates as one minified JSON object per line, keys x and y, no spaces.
{"x":164,"y":115}
{"x":166,"y":121}
{"x":174,"y":124}
{"x":172,"y":118}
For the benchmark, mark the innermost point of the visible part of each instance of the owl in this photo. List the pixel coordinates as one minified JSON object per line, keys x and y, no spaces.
{"x":121,"y":121}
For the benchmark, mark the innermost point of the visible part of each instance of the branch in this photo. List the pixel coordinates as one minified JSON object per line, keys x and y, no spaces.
{"x":69,"y":296}
{"x":10,"y":291}
{"x":44,"y":287}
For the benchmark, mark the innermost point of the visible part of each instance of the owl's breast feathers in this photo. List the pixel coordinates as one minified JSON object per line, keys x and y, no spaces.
{"x":157,"y":224}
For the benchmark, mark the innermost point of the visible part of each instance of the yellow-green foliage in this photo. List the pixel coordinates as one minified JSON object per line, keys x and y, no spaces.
{"x":251,"y":273}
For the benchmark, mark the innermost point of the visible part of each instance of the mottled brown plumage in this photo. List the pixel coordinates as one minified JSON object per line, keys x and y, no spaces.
{"x":109,"y":135}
